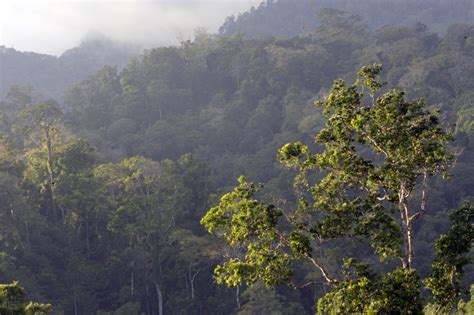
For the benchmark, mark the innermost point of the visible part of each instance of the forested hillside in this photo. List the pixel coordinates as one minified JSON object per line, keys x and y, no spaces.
{"x":287,"y":18}
{"x":102,"y":192}
{"x":51,"y":75}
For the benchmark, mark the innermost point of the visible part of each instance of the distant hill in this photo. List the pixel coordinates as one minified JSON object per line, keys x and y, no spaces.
{"x":287,"y":18}
{"x":51,"y":75}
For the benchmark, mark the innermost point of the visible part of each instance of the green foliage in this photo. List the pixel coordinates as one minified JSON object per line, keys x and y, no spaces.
{"x":368,"y":77}
{"x":466,"y":307}
{"x":289,"y":19}
{"x":452,"y":248}
{"x":252,"y":228}
{"x":112,"y":221}
{"x":465,"y":122}
{"x":374,"y":156}
{"x":52,"y":75}
{"x":129,"y":308}
{"x":259,"y":299}
{"x":395,"y":292}
{"x":406,"y":143}
{"x":12,"y":302}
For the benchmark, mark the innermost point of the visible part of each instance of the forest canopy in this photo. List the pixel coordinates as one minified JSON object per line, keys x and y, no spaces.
{"x":102,"y":190}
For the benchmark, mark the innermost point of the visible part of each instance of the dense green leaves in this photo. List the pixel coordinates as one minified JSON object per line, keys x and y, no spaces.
{"x":12,"y":302}
{"x":452,"y":251}
{"x":396,"y":292}
{"x":125,"y":236}
{"x":374,"y":158}
{"x":252,"y":228}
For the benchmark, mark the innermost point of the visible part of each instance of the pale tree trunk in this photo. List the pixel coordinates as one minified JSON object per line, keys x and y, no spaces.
{"x":27,"y":232}
{"x":408,"y":219}
{"x":191,"y":281}
{"x":411,"y":254}
{"x":158,"y":288}
{"x":192,"y":277}
{"x":132,"y":279}
{"x":63,"y":214}
{"x":147,"y":291}
{"x":160,"y":298}
{"x":237,"y":299}
{"x":75,"y":303}
{"x":407,"y":227}
{"x":49,"y":147}
{"x":87,"y":239}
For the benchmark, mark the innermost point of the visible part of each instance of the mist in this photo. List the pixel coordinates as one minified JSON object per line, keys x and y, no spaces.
{"x":52,"y":26}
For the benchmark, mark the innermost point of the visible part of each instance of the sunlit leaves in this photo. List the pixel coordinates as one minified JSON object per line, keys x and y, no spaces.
{"x":396,"y":292}
{"x":372,"y":154}
{"x":12,"y":301}
{"x":252,"y":227}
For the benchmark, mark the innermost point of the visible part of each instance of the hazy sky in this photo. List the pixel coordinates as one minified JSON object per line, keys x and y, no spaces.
{"x":52,"y":26}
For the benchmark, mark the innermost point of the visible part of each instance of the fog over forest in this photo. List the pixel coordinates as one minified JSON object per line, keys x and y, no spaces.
{"x":53,"y":26}
{"x":236,"y":157}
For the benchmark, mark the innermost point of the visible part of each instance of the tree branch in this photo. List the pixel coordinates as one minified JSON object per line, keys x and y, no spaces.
{"x":377,"y":146}
{"x":422,"y":211}
{"x":326,"y":276}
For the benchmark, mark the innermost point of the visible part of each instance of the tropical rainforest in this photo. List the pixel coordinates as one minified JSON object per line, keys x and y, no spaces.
{"x":278,"y":167}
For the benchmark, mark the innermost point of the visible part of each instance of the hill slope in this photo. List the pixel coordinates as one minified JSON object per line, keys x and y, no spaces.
{"x":293,"y":17}
{"x":50,"y":74}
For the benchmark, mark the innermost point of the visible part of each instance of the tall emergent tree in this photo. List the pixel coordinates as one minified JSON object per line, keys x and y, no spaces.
{"x":43,"y":123}
{"x":379,"y":152}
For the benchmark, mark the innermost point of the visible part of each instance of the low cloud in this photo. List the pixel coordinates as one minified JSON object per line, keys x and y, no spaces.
{"x":52,"y":26}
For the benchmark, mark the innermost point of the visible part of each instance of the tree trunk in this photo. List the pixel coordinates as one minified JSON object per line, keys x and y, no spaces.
{"x":49,"y":147}
{"x":192,"y":277}
{"x":27,"y":232}
{"x":87,"y":239}
{"x":132,"y":280}
{"x":191,"y":281}
{"x":187,"y":286}
{"x":237,"y":299}
{"x":147,"y":291}
{"x":160,"y":298}
{"x":75,"y":303}
{"x":410,"y":245}
{"x":407,"y":228}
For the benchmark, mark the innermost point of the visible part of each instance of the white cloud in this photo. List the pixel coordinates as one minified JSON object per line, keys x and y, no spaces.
{"x":51,"y":26}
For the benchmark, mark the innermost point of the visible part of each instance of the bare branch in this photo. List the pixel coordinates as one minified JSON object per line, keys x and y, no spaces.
{"x":306,"y":284}
{"x":422,"y":211}
{"x":377,"y":146}
{"x":326,"y":276}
